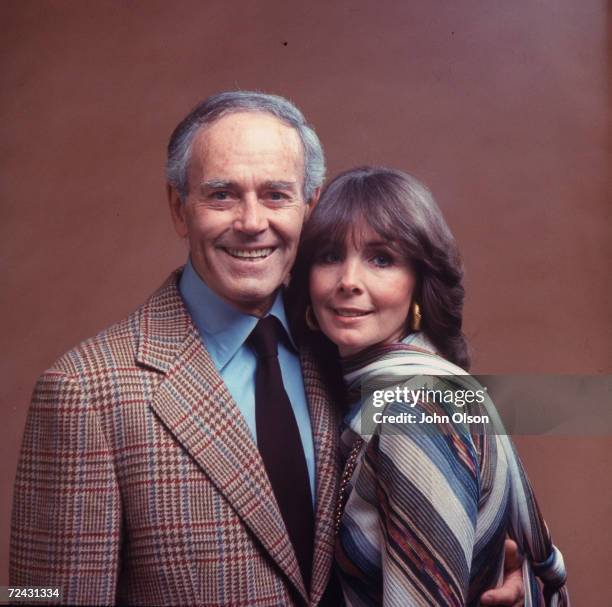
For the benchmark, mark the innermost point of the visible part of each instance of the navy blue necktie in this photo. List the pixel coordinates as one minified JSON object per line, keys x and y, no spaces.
{"x":280,"y":445}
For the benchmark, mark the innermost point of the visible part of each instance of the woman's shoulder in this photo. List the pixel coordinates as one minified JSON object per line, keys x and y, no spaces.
{"x":420,"y":342}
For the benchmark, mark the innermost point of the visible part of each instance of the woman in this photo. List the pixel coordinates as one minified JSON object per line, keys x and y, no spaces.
{"x":424,"y":508}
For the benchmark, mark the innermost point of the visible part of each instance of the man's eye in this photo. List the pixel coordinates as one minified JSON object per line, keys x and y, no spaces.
{"x":220,"y":195}
{"x":277,"y":196}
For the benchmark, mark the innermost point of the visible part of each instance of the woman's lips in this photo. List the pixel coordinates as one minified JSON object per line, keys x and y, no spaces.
{"x":350,"y":313}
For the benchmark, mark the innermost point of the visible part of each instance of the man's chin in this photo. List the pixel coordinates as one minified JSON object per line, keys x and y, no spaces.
{"x":253,"y":299}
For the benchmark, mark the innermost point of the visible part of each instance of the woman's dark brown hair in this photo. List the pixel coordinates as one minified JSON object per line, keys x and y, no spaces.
{"x":401,"y":210}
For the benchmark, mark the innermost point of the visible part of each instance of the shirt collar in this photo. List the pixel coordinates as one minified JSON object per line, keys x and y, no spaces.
{"x":223,"y":327}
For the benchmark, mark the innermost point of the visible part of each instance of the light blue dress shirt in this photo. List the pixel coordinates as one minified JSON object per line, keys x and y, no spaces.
{"x":224,"y":331}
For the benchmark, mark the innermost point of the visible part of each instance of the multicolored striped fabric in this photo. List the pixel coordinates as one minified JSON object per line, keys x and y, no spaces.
{"x":139,"y":482}
{"x":428,"y":511}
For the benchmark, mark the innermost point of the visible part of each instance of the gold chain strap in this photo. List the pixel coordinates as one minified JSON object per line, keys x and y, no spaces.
{"x":347,"y":474}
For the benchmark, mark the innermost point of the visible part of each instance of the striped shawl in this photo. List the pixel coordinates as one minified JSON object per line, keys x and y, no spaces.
{"x":428,"y":512}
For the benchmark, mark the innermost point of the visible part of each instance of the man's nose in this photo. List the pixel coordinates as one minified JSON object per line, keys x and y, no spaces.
{"x":252,"y":217}
{"x":350,"y":278}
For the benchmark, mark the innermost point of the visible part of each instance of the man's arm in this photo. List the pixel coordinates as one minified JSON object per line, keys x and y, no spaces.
{"x":512,"y":590}
{"x":66,"y":521}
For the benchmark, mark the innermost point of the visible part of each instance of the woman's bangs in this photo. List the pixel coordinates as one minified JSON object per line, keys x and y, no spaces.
{"x":349,"y":217}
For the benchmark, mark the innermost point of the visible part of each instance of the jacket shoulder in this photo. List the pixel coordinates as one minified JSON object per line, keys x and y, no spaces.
{"x":114,"y":346}
{"x":118,"y":346}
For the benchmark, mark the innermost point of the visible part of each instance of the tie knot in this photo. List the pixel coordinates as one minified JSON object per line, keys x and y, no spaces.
{"x":264,"y":337}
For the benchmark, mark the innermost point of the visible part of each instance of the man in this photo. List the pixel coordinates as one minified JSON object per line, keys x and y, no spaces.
{"x":146,"y":474}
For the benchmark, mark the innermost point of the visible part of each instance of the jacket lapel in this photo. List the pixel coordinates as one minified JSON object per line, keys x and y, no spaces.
{"x":325,"y":429}
{"x":195,"y":405}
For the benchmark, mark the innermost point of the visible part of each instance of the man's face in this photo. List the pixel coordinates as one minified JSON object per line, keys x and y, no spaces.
{"x":245,"y":208}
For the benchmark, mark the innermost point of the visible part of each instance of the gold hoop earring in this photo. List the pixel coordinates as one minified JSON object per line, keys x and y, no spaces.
{"x":311,"y":320}
{"x":415,"y":317}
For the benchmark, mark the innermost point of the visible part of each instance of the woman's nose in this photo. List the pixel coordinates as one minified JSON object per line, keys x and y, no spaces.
{"x":350,"y":281}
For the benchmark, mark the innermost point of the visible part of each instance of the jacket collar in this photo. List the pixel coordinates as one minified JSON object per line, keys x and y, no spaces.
{"x":196,"y":407}
{"x":223,"y":327}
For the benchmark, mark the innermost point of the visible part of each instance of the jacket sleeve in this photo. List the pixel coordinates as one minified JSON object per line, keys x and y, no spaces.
{"x":427,"y":488}
{"x":66,"y":521}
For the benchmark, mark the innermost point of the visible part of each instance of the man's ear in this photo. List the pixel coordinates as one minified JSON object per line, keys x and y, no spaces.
{"x":177,"y":211}
{"x":312,"y":202}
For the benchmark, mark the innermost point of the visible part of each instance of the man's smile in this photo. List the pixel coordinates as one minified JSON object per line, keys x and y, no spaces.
{"x":251,"y":254}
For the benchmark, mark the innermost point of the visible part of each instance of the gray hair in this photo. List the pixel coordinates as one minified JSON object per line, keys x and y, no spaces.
{"x":217,"y":106}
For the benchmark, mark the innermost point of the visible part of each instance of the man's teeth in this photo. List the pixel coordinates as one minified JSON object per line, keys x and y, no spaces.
{"x":250,"y":253}
{"x":349,"y":313}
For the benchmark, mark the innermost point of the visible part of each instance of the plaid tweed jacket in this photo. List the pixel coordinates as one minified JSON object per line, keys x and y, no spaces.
{"x":139,"y":482}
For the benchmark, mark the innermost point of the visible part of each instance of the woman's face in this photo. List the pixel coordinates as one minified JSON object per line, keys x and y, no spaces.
{"x":361,"y":294}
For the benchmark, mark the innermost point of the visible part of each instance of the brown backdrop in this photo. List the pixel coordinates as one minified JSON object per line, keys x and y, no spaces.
{"x":500,"y":107}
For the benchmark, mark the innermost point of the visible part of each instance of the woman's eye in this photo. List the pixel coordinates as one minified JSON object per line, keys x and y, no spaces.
{"x":382,"y":260}
{"x":329,"y":257}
